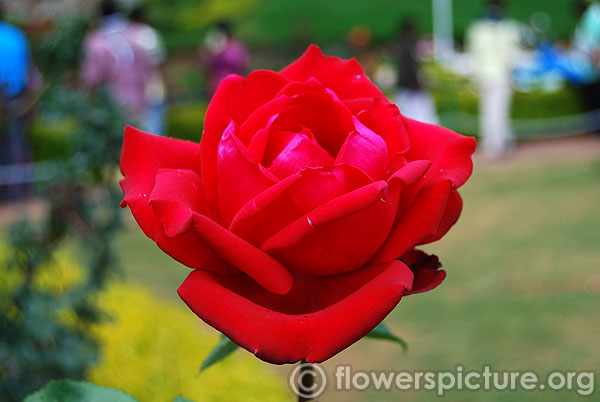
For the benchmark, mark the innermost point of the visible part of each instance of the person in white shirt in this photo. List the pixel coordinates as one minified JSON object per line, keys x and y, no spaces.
{"x":493,"y":43}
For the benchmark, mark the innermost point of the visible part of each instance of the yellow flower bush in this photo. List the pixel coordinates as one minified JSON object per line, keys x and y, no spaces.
{"x":57,"y":275}
{"x":150,"y":348}
{"x":153,"y":350}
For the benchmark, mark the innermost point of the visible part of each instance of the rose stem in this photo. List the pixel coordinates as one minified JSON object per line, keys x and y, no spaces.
{"x":307,"y":381}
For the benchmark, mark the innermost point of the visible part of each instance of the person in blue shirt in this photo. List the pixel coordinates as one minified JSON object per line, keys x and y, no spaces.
{"x":16,"y":69}
{"x":15,"y":60}
{"x":587,"y":44}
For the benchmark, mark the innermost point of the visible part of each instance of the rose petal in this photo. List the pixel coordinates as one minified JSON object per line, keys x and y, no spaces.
{"x":300,"y":105}
{"x":449,"y":218}
{"x":321,"y":112}
{"x":176,"y":196}
{"x":449,"y":152}
{"x":265,"y":270}
{"x":425,"y":267}
{"x":235,"y":99}
{"x":419,"y":222}
{"x":411,"y":175}
{"x":385,"y":119}
{"x":262,"y":118}
{"x":340,"y":235}
{"x":344,"y":77}
{"x":411,"y":172}
{"x":311,"y":85}
{"x":142,"y":156}
{"x":319,"y":317}
{"x":292,"y":198}
{"x":365,"y":150}
{"x":299,"y":153}
{"x":277,"y":141}
{"x":240,"y":178}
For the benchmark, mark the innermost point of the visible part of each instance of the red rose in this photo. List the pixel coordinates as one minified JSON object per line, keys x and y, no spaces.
{"x":300,"y":209}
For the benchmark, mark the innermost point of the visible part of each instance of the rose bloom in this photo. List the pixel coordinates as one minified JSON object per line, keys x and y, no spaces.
{"x":300,"y":209}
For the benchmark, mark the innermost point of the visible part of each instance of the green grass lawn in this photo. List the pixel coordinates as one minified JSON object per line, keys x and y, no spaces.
{"x":522,"y":292}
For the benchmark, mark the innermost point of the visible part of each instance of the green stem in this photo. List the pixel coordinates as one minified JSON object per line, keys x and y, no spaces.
{"x":306,"y":382}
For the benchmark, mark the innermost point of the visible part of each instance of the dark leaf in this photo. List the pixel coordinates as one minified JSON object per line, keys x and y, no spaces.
{"x":181,"y":398}
{"x":383,"y":332}
{"x":225,"y":347}
{"x":75,"y":391}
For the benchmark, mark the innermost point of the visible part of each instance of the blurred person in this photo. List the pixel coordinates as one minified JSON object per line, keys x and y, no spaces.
{"x":493,"y":43}
{"x":19,"y":80}
{"x":587,"y":44}
{"x":149,"y":39}
{"x":114,"y":57}
{"x":224,"y":55}
{"x":413,"y":100}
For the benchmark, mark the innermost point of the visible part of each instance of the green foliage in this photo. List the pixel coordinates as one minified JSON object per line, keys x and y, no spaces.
{"x":382,"y":331}
{"x":457,"y":101}
{"x":284,"y":23}
{"x":54,"y":133}
{"x":184,"y":22}
{"x":78,"y":391}
{"x":82,"y":133}
{"x":187,"y":82}
{"x":60,"y":50}
{"x":36,"y":344}
{"x":186,"y":122}
{"x":543,"y":105}
{"x":75,"y":391}
{"x":224,"y":348}
{"x":180,"y":398}
{"x":52,"y":138}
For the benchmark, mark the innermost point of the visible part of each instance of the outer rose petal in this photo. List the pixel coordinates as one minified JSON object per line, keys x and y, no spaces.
{"x":420,"y":221}
{"x":410,"y":172}
{"x":236,"y":98}
{"x":177,"y":194}
{"x":449,"y":218}
{"x":142,"y":156}
{"x":425,"y":267}
{"x":266,"y":271}
{"x":319,"y":318}
{"x":311,"y":85}
{"x":449,"y":152}
{"x":344,"y":77}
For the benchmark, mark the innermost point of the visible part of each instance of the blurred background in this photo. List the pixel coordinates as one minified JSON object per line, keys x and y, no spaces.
{"x":85,"y":295}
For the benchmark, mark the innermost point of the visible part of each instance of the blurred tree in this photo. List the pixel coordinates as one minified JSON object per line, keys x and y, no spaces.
{"x":59,"y":52}
{"x":36,"y":343}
